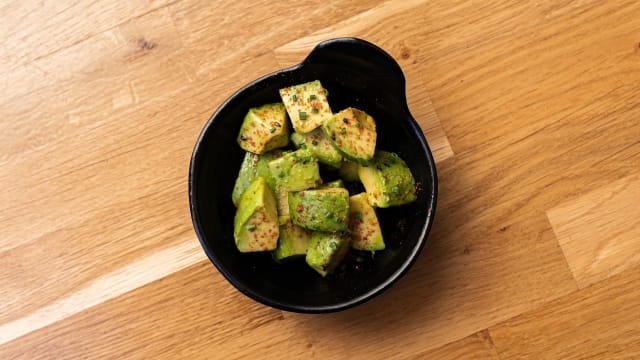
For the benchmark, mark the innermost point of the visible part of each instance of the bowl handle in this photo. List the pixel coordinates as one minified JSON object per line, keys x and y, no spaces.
{"x":364,"y":56}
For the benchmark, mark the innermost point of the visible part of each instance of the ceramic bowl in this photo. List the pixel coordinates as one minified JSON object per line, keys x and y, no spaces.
{"x":356,"y":73}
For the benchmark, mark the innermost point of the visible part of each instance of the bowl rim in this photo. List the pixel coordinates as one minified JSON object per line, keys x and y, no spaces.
{"x":194,"y":167}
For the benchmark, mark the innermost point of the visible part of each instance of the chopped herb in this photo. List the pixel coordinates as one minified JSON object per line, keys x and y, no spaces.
{"x":357,"y":215}
{"x":358,"y":124}
{"x":314,"y":110}
{"x":312,"y":97}
{"x":251,"y":227}
{"x":313,"y":142}
{"x":294,"y":97}
{"x":303,"y":146}
{"x":326,"y":92}
{"x":343,"y":131}
{"x":302,"y":115}
{"x":272,"y":130}
{"x":281,"y":175}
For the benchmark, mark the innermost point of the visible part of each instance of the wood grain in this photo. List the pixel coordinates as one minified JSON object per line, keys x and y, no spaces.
{"x":531,"y":109}
{"x":596,"y":242}
{"x":599,"y":322}
{"x":478,"y":346}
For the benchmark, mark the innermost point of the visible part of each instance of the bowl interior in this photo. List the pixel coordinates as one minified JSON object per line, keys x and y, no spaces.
{"x":351,"y":81}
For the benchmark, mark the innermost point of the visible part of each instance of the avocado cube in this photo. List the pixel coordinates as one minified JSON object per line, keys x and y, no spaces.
{"x":349,"y":171}
{"x":264,"y":128}
{"x":282,"y":201}
{"x":353,"y":133}
{"x":322,"y":209}
{"x":296,"y":171}
{"x":387,"y":181}
{"x":316,"y":142}
{"x":253,"y":165}
{"x":293,"y":240}
{"x":332,"y":184}
{"x":255,"y":226}
{"x":326,"y":251}
{"x":307,"y":105}
{"x":364,"y":225}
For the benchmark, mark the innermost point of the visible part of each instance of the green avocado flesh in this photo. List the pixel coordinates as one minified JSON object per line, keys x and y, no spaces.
{"x":256,"y":220}
{"x":322,"y":209}
{"x":296,"y":171}
{"x":332,"y":184}
{"x":254,"y":165}
{"x":326,"y":250}
{"x":264,"y":128}
{"x":293,"y":240}
{"x":349,"y":171}
{"x":284,"y":207}
{"x":316,"y":142}
{"x":387,"y":180}
{"x":307,"y":105}
{"x":353,"y":133}
{"x":364,"y":226}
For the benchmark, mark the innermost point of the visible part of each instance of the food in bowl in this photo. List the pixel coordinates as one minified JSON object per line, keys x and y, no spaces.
{"x":284,"y":204}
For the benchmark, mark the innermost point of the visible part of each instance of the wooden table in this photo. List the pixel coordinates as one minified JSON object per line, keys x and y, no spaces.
{"x":532,"y":109}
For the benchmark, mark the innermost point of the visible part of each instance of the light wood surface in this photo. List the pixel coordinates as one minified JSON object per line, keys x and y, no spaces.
{"x":532,"y":110}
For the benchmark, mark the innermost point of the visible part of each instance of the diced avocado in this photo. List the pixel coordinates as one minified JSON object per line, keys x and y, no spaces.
{"x":349,"y":171}
{"x":316,"y":142}
{"x":387,"y":180}
{"x":332,"y":184}
{"x":307,"y":105}
{"x":323,"y":209}
{"x":246,"y":175}
{"x":326,"y":251}
{"x":293,"y":240}
{"x":282,"y":200}
{"x":296,"y":170}
{"x":364,"y":226}
{"x":255,"y":225}
{"x":252,"y":166}
{"x":353,"y":133}
{"x":262,"y":167}
{"x":264,"y":128}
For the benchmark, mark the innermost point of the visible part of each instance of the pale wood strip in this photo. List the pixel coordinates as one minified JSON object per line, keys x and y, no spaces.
{"x":190,"y":314}
{"x":138,"y":273}
{"x":596,"y":238}
{"x":478,"y":346}
{"x":598,"y":322}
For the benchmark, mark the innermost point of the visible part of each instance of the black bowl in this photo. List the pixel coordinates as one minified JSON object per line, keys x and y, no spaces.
{"x":356,"y":73}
